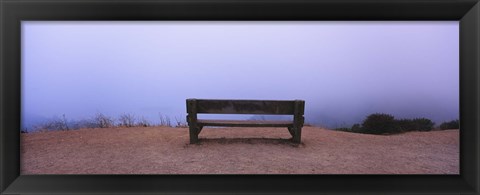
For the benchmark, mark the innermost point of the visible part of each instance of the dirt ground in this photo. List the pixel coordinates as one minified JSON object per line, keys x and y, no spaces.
{"x":165,"y":150}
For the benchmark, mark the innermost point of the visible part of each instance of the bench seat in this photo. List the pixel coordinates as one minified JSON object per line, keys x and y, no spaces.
{"x":245,"y":123}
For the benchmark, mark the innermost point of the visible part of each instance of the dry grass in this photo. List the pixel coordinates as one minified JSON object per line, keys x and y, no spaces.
{"x":165,"y":150}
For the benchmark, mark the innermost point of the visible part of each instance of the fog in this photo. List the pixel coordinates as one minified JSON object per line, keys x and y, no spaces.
{"x":343,"y":70}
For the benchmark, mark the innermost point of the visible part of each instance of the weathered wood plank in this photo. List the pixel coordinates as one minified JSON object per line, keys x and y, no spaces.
{"x":245,"y":106}
{"x":245,"y":123}
{"x":296,"y":108}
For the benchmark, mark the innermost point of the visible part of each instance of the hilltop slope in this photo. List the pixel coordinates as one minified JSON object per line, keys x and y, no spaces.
{"x":165,"y":150}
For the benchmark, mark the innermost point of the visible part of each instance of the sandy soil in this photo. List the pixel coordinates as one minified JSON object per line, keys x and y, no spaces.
{"x":164,"y":150}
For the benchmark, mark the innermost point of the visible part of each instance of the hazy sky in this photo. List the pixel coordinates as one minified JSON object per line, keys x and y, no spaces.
{"x":343,"y":70}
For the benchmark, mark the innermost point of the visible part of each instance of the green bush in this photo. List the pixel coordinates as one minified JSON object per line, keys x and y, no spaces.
{"x":406,"y":124}
{"x":417,"y":124}
{"x":380,"y":123}
{"x":356,"y":128}
{"x":423,"y":124}
{"x":343,"y":129}
{"x":454,"y":124}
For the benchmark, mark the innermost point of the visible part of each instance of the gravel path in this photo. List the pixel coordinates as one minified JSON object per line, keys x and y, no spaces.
{"x":164,"y":150}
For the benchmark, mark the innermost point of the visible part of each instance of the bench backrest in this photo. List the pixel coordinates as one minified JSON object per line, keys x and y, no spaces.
{"x":274,"y":107}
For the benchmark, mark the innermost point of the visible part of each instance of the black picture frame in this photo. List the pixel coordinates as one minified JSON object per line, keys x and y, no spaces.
{"x":12,"y":12}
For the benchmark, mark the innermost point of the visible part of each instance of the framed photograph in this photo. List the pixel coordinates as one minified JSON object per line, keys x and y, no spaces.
{"x":302,"y":97}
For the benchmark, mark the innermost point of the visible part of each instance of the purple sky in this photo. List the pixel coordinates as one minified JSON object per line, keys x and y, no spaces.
{"x":343,"y":70}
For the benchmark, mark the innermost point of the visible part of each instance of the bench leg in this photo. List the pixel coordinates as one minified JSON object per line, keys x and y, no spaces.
{"x":193,"y":135}
{"x":298,"y":135}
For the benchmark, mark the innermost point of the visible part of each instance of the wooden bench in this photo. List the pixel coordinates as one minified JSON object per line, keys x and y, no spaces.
{"x":273,"y":107}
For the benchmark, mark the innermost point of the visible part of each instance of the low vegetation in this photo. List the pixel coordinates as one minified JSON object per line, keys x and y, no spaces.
{"x":103,"y":121}
{"x":454,"y":124}
{"x":381,"y":123}
{"x":378,"y":123}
